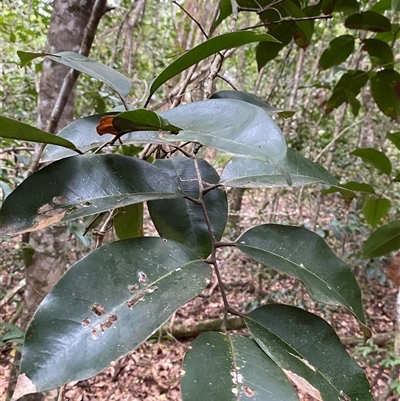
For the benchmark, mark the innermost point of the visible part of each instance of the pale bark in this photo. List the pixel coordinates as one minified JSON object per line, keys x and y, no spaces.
{"x":69,"y":20}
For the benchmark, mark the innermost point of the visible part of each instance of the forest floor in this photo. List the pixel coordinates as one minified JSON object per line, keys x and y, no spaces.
{"x":152,"y":371}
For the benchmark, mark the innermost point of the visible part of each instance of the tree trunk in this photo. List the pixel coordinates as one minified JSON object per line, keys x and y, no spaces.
{"x":68,"y":23}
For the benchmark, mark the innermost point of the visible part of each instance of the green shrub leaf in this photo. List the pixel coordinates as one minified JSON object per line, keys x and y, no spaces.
{"x":81,"y":186}
{"x":225,"y":367}
{"x":338,"y":51}
{"x":385,"y":89}
{"x":252,"y":173}
{"x":384,"y":240}
{"x":106,"y":305}
{"x":375,"y":158}
{"x":375,"y":210}
{"x":14,"y":129}
{"x":207,"y":49}
{"x":232,"y":126}
{"x":368,"y":21}
{"x":301,"y":344}
{"x":181,"y":219}
{"x":305,"y":255}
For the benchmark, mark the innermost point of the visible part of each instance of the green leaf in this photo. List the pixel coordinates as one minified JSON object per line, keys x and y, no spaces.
{"x":385,"y":89}
{"x":206,"y":49}
{"x":181,"y":219}
{"x":267,"y":51}
{"x":381,"y":6}
{"x":309,"y":351}
{"x":347,"y":88}
{"x":379,"y":52}
{"x":26,"y":57}
{"x":232,"y":126}
{"x":394,"y":137}
{"x":81,"y":186}
{"x":251,"y":173}
{"x":375,"y":210}
{"x":304,"y":31}
{"x":359,"y":187}
{"x":14,"y":129}
{"x":389,"y":37}
{"x":106,"y":305}
{"x":305,"y":255}
{"x":338,"y":51}
{"x":128,"y":221}
{"x":368,"y":21}
{"x":83,"y":133}
{"x":141,"y":120}
{"x":225,"y":367}
{"x":347,"y":6}
{"x":395,"y":5}
{"x":253,"y":99}
{"x":384,"y":240}
{"x":375,"y":158}
{"x":114,"y":79}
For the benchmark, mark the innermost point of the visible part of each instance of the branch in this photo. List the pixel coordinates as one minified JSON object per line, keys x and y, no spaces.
{"x":288,"y":19}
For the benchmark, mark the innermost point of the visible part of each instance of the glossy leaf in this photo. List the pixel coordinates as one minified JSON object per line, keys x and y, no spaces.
{"x":128,"y":221}
{"x":368,"y":21}
{"x":375,"y":210}
{"x":114,"y":79}
{"x":81,"y":186}
{"x":375,"y":158}
{"x":384,"y":240}
{"x":305,"y":255}
{"x":181,"y":219}
{"x":26,"y":57}
{"x":84,"y":135}
{"x":225,"y":367}
{"x":253,"y":99}
{"x":106,"y":305}
{"x":394,"y":137}
{"x":347,"y":88}
{"x":232,"y":126}
{"x":251,"y":173}
{"x":379,"y":52}
{"x":385,"y":89}
{"x":14,"y":129}
{"x":359,"y":187}
{"x":309,"y":351}
{"x":141,"y":120}
{"x":338,"y":51}
{"x":207,"y":49}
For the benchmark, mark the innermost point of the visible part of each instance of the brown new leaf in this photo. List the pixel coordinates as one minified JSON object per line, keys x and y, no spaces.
{"x":106,"y":126}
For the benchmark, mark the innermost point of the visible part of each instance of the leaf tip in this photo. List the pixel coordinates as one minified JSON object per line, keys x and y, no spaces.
{"x":24,"y":386}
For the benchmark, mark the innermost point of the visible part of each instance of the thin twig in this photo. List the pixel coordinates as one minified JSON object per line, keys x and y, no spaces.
{"x":287,"y":19}
{"x":191,"y":17}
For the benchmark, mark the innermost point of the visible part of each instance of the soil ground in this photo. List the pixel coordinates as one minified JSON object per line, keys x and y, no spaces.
{"x":152,"y":371}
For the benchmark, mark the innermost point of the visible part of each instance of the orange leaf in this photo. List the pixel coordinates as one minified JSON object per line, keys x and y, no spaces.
{"x":106,"y":126}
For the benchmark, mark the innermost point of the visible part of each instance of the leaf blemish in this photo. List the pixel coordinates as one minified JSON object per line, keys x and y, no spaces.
{"x":133,"y":288}
{"x":85,"y":322}
{"x":134,"y":300}
{"x":108,"y":323}
{"x":248,"y":391}
{"x":95,"y":334}
{"x":97,"y":309}
{"x":142,"y":277}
